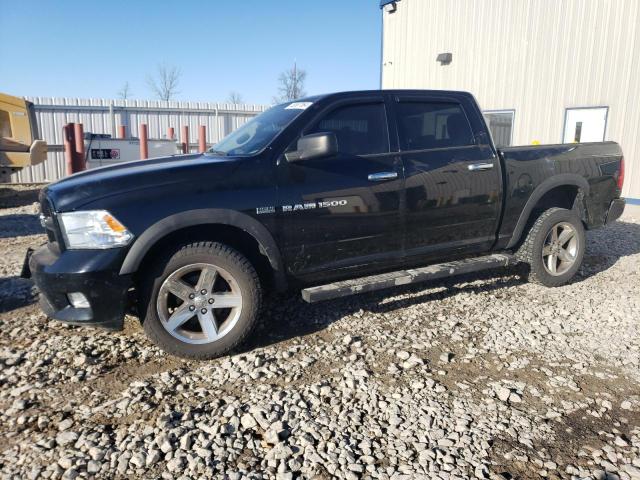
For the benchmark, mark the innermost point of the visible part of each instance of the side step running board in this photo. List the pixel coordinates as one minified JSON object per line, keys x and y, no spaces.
{"x":405,"y":277}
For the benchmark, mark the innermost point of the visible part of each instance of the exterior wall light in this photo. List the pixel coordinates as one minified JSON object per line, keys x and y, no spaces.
{"x":389,"y":6}
{"x":444,"y":58}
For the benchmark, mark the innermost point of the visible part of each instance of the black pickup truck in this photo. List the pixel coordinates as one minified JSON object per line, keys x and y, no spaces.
{"x":334,"y":194}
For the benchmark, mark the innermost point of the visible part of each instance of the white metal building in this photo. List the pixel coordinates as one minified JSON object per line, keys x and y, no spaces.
{"x":547,"y":71}
{"x":104,"y":115}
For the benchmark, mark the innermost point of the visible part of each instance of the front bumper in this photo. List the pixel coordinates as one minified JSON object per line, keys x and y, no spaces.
{"x":615,"y":210}
{"x":94,"y":273}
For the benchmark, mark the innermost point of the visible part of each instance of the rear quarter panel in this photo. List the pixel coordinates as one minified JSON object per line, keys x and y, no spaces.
{"x":531,"y":171}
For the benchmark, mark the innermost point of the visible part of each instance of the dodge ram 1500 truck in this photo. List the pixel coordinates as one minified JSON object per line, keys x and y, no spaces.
{"x":334,"y":194}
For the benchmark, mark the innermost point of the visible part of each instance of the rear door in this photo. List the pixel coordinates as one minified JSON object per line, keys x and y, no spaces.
{"x":343,"y":211}
{"x":452,"y":176}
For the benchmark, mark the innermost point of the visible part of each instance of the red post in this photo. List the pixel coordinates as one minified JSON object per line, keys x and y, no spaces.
{"x":202,"y":139}
{"x":185,"y":139}
{"x":144,"y":142}
{"x":171,"y":133}
{"x":68,"y":136}
{"x":122,"y":131}
{"x":79,"y":159}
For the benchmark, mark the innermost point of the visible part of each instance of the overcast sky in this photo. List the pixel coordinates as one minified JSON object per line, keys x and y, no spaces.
{"x":75,"y":48}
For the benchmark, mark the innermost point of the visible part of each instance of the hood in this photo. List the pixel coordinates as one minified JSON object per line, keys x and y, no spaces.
{"x":78,"y":189}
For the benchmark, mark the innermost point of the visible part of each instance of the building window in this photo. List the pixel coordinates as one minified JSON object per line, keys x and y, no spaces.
{"x":501,"y":125}
{"x":585,"y":124}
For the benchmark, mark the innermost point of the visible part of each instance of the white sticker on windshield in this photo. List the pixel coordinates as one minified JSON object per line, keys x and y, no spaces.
{"x":298,"y":105}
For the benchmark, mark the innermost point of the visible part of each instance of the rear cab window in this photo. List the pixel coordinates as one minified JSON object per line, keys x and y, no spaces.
{"x":426,"y":125}
{"x":360,"y":129}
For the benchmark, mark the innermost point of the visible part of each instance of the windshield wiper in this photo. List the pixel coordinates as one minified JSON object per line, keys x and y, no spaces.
{"x":217,"y":152}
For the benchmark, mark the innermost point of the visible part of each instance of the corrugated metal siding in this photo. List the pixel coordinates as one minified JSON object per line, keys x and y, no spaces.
{"x":95,"y":115}
{"x":537,"y":57}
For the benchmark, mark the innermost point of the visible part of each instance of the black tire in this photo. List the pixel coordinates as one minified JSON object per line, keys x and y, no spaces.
{"x":225,"y":259}
{"x":531,"y":250}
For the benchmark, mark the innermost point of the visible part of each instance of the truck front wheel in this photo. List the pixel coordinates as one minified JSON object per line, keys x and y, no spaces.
{"x":554,"y":247}
{"x":201,"y":302}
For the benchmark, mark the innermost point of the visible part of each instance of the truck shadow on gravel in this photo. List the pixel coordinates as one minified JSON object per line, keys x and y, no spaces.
{"x":288,"y":316}
{"x":16,"y":292}
{"x":20,"y":225}
{"x":605,"y":247}
{"x":12,"y":198}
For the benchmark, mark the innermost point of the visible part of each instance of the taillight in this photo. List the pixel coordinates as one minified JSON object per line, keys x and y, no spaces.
{"x":621,"y":174}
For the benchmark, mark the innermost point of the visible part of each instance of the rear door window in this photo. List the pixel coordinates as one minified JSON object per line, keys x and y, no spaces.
{"x":361,"y":129}
{"x":430,"y":125}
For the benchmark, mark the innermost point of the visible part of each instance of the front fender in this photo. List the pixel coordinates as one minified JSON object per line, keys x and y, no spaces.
{"x":205,"y":216}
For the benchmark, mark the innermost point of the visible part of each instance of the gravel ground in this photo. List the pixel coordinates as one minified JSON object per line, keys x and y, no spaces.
{"x":484,"y":377}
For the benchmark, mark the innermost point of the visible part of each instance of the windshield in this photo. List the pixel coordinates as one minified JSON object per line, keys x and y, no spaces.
{"x":258,"y":132}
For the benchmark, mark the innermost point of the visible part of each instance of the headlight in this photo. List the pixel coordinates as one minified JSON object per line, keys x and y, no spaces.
{"x":93,"y":229}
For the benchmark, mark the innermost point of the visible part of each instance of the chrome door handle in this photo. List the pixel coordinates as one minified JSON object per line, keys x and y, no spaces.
{"x":480,"y":166}
{"x":380,"y":176}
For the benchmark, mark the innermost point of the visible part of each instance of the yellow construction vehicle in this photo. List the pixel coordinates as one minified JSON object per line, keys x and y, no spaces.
{"x":19,"y":143}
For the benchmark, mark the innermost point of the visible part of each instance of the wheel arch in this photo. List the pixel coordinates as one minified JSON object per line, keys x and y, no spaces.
{"x":564,"y":190}
{"x":219,"y":223}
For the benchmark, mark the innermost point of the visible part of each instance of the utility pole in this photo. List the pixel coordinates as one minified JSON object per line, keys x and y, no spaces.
{"x":295,"y":79}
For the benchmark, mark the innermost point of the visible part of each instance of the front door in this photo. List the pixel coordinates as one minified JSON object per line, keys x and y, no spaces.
{"x":343,"y":211}
{"x":453,"y":183}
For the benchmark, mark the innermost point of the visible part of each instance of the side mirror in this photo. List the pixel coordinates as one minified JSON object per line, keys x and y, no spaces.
{"x":315,"y":145}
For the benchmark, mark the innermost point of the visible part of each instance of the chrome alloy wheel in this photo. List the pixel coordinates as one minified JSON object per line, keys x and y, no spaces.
{"x":199,"y":303}
{"x":560,"y":249}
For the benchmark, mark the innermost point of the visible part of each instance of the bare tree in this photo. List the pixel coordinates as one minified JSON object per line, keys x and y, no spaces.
{"x":291,"y":84}
{"x":235,"y":97}
{"x":125,"y":91}
{"x":165,"y":84}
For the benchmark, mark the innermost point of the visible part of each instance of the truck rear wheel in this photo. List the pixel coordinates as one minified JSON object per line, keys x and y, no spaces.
{"x":554,"y":247}
{"x":201,"y":302}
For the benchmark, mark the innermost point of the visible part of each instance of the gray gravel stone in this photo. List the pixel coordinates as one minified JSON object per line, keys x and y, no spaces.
{"x":93,"y":467}
{"x":67,"y":437}
{"x":503,"y":394}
